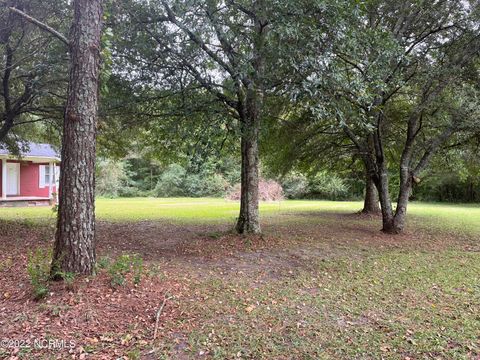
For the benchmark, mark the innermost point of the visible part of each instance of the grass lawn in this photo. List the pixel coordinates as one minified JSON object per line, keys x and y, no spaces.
{"x":456,"y":217}
{"x":321,"y":283}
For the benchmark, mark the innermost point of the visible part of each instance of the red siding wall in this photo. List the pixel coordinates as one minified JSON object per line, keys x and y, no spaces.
{"x":29,"y":179}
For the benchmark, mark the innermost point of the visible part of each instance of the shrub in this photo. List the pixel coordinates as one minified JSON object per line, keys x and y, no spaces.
{"x":268,"y":190}
{"x":171,"y":182}
{"x":124,"y":265}
{"x":38,"y":269}
{"x":204,"y":184}
{"x":110,"y":178}
{"x":295,"y":186}
{"x":327,"y":186}
{"x":103,"y":262}
{"x":176,"y":182}
{"x":131,"y":191}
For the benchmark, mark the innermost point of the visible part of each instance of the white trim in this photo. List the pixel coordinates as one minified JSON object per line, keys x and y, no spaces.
{"x":32,"y":158}
{"x":4,"y":178}
{"x":57,"y":180}
{"x":41,"y":176}
{"x":51,"y":180}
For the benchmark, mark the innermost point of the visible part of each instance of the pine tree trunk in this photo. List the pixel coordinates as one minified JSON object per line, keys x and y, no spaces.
{"x":370,"y":204}
{"x":74,"y":249}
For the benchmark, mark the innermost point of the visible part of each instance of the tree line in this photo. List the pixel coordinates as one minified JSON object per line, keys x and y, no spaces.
{"x":386,"y":87}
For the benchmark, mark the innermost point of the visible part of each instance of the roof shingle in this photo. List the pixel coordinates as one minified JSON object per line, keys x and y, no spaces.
{"x":36,"y":150}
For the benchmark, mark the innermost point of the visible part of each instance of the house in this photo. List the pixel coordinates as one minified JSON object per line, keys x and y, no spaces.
{"x":31,"y":178}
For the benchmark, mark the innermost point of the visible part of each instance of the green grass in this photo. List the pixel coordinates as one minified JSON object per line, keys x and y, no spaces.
{"x":395,"y":305}
{"x":453,"y":217}
{"x":386,"y":302}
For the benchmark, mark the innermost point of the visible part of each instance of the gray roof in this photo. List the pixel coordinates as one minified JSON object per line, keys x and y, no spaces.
{"x":35,"y":150}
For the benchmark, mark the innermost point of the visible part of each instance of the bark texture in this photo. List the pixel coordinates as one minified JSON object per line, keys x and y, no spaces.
{"x":370,"y":204}
{"x":248,"y":220}
{"x":250,"y":112}
{"x":74,"y":249}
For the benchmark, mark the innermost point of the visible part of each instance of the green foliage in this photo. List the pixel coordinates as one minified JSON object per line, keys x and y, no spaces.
{"x":171,"y":182}
{"x":295,"y":186}
{"x":103,"y":262}
{"x":38,"y":269}
{"x":110,"y":178}
{"x":124,"y":265}
{"x":34,"y":71}
{"x":323,"y":185}
{"x":448,"y":188}
{"x":175,"y":181}
{"x":67,"y":277}
{"x":328,"y":186}
{"x":199,"y":185}
{"x":454,"y":176}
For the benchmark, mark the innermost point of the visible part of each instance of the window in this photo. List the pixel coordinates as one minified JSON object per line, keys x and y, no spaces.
{"x":44,"y":176}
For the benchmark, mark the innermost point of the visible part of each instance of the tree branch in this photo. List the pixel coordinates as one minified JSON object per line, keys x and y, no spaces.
{"x":436,"y":143}
{"x":197,"y":40}
{"x":41,"y":25}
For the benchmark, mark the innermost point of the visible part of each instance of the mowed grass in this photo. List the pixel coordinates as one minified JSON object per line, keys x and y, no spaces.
{"x":369,"y":301}
{"x":193,"y":210}
{"x":396,"y":305}
{"x":449,"y":217}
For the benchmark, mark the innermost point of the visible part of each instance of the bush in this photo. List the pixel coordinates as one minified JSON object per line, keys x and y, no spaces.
{"x":268,"y":190}
{"x":326,"y":186}
{"x":38,"y":269}
{"x":171,"y":182}
{"x":124,"y":265}
{"x":130,"y":191}
{"x":198,"y":185}
{"x":295,"y":186}
{"x":111,"y":178}
{"x":176,"y":182}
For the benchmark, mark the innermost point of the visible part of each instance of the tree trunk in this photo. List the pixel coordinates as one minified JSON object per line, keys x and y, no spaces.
{"x":248,"y":220}
{"x":402,"y":203}
{"x":370,"y":204}
{"x":250,"y":111}
{"x":74,"y":249}
{"x":385,"y":202}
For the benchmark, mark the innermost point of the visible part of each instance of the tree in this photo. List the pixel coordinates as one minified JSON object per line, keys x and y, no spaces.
{"x":74,"y":249}
{"x":370,"y":202}
{"x":224,"y":49}
{"x":432,"y":45}
{"x":230,"y":53}
{"x":309,"y":144}
{"x":393,"y":76}
{"x":33,"y":72}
